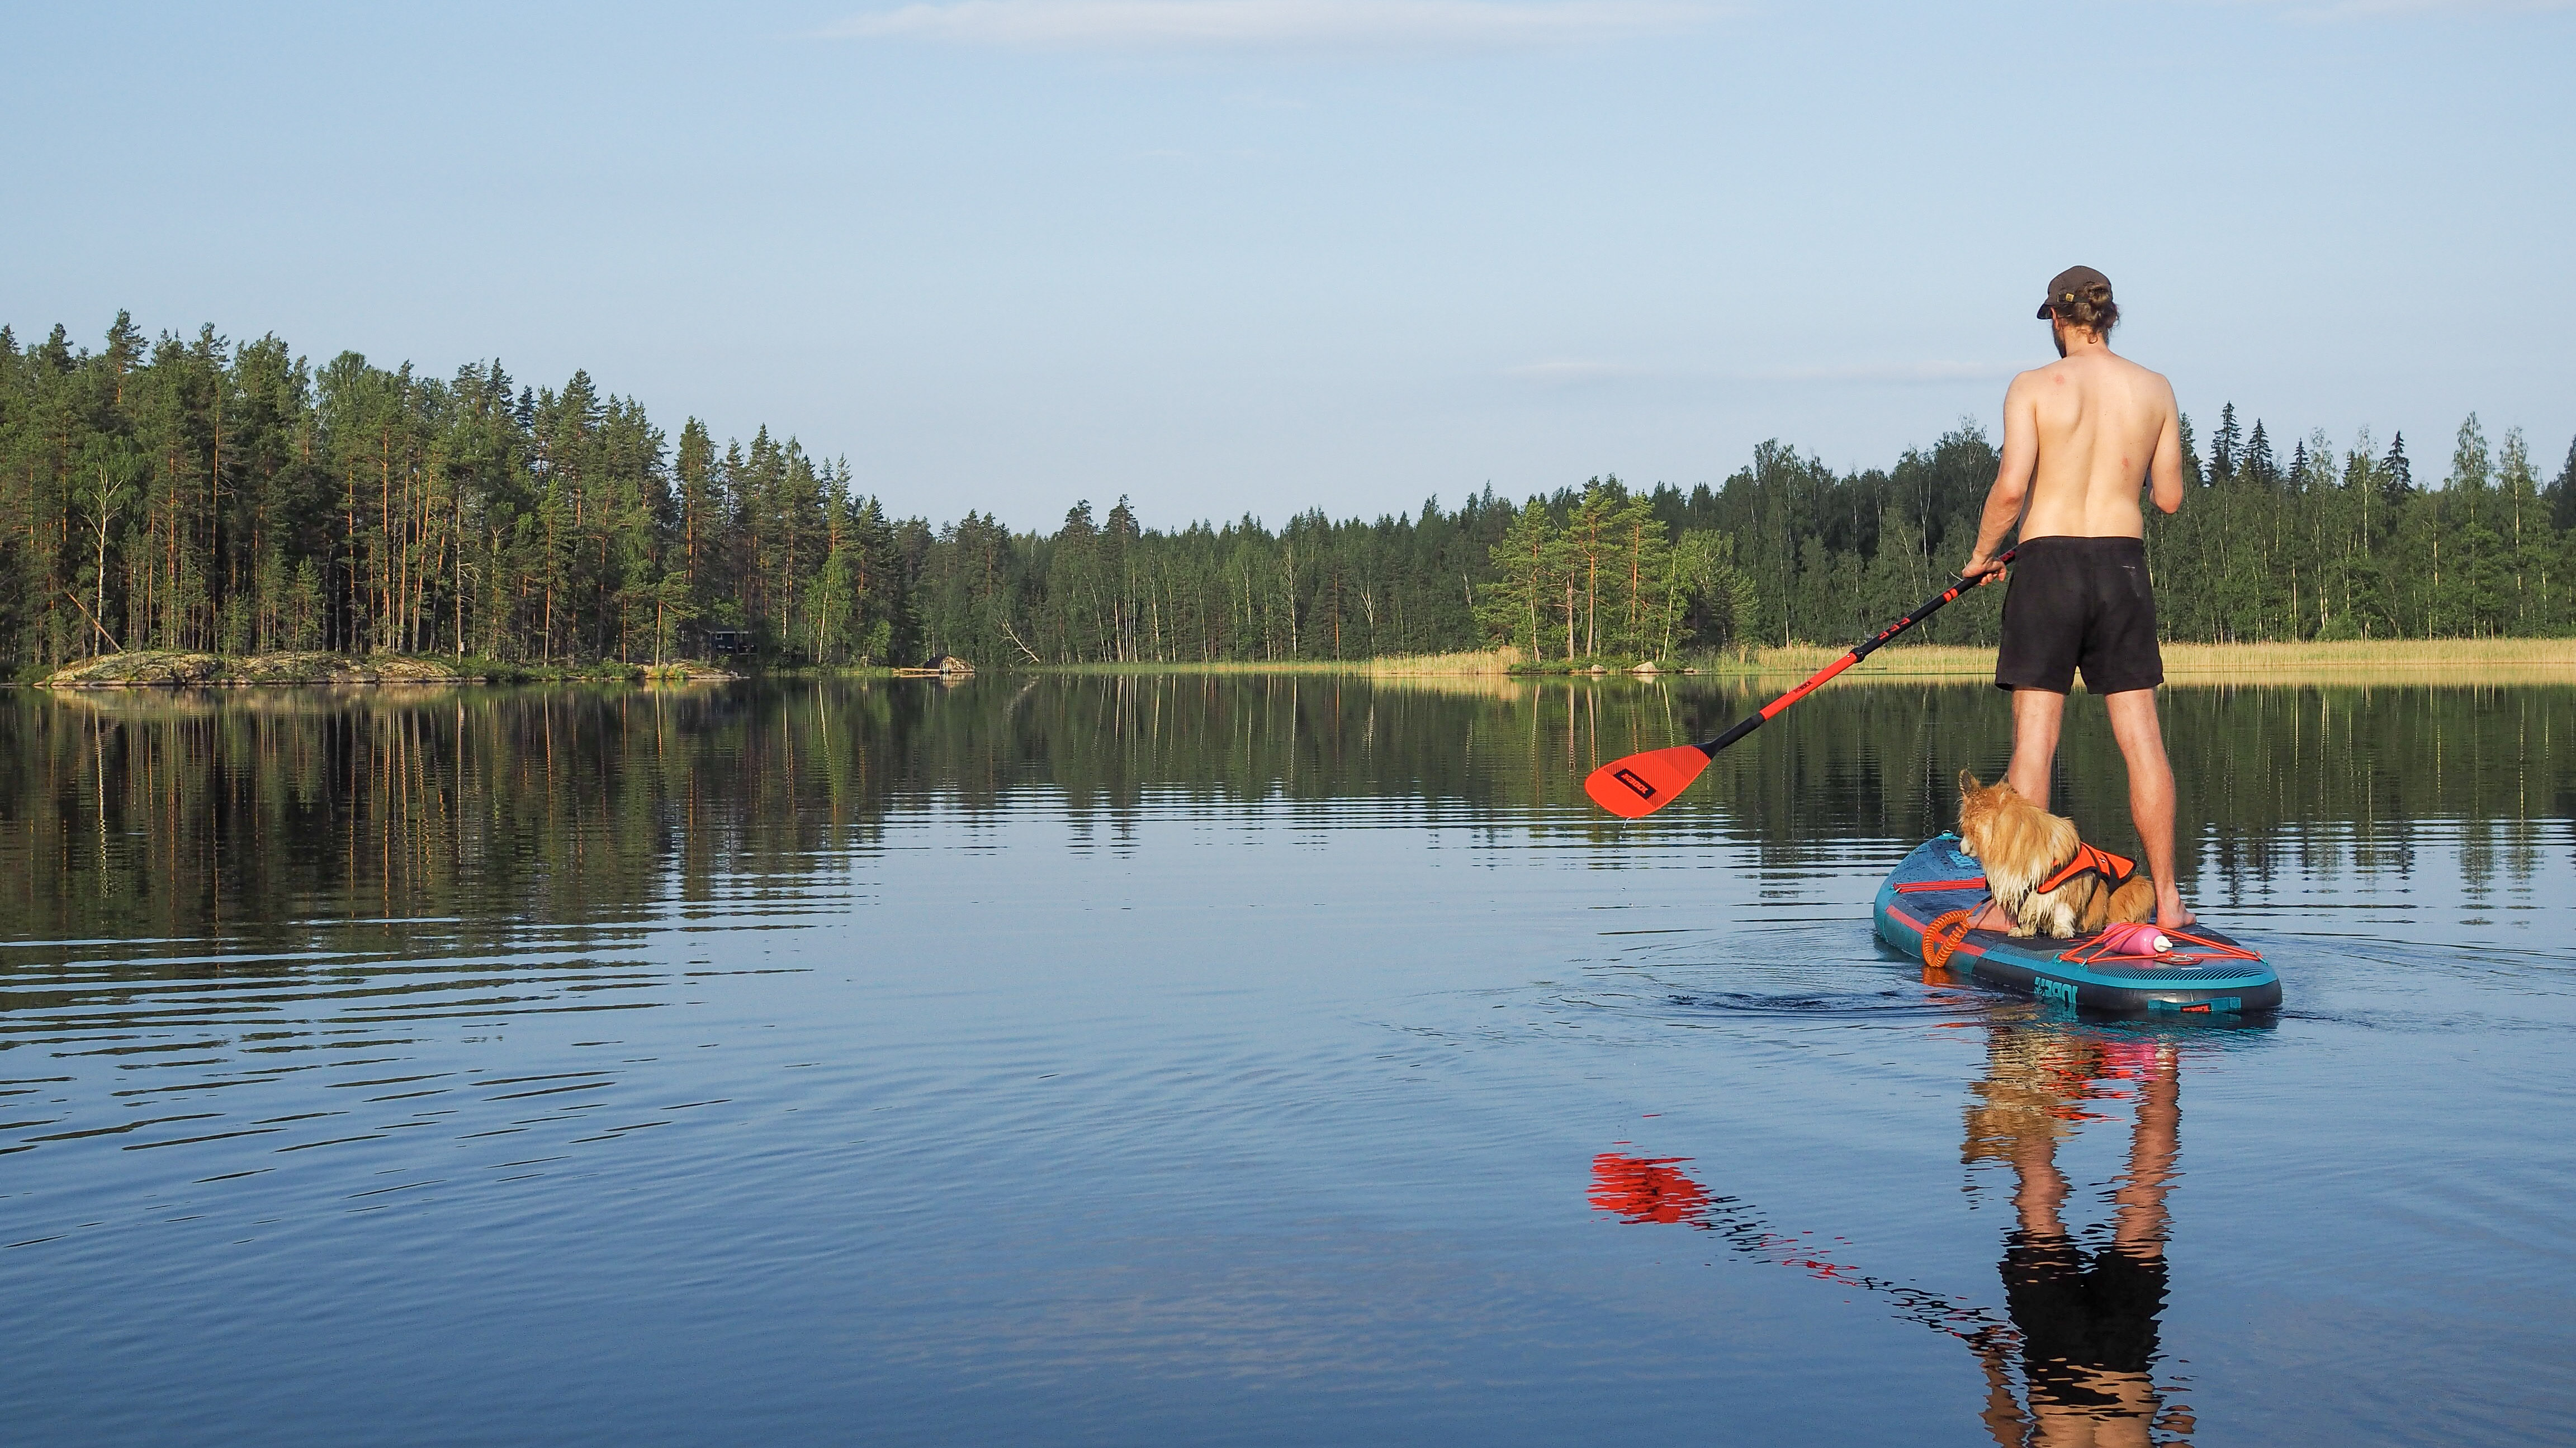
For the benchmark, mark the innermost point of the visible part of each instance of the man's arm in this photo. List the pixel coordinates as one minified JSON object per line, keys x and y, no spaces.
{"x":2164,"y":473}
{"x":2012,"y":477}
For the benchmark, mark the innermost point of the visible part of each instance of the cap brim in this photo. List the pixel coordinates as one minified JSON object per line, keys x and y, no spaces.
{"x":2043,"y":311}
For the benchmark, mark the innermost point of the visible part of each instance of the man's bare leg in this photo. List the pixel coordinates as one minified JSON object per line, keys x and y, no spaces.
{"x":2038,"y":715}
{"x":2151,"y":795}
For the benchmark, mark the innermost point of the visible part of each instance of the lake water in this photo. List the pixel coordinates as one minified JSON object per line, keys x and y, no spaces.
{"x":1252,"y":1060}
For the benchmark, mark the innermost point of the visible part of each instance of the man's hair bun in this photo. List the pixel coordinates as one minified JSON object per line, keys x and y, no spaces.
{"x":2089,"y":307}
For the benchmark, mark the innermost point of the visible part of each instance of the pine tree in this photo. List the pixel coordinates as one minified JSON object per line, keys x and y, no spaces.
{"x":1527,"y":561}
{"x":2396,"y":475}
{"x":701,"y":518}
{"x":2223,"y":446}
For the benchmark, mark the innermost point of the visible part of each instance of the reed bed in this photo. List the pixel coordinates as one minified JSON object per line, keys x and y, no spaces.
{"x":1487,"y":661}
{"x":2420,"y":661}
{"x":2374,"y":661}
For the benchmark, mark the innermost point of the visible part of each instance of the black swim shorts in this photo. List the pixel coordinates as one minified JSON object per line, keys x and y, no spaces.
{"x":2080,"y":603}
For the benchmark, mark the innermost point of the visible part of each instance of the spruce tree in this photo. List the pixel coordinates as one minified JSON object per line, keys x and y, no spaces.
{"x":2258,"y":465}
{"x":2562,"y":493}
{"x":2222,"y":447}
{"x":2396,"y":474}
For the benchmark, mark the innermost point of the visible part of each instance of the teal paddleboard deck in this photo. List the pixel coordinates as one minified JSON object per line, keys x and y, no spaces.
{"x":2206,"y":974}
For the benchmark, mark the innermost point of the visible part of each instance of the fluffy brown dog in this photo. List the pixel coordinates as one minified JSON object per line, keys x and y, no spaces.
{"x":2021,"y":845}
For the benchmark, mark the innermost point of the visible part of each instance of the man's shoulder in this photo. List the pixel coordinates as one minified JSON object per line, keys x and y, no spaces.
{"x":2024,"y":383}
{"x":2142,"y":373}
{"x":2078,"y":371}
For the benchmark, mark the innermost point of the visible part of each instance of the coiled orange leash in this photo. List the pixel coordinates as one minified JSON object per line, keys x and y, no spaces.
{"x":1941,"y":938}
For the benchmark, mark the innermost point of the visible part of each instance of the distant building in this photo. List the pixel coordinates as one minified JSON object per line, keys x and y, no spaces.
{"x":729,"y":641}
{"x":949,"y":665}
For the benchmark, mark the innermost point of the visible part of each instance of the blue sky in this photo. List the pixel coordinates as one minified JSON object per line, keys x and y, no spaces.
{"x":1260,"y":255}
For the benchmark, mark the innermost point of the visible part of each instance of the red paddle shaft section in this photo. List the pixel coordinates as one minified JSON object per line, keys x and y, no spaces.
{"x":1637,"y":786}
{"x":1773,"y":708}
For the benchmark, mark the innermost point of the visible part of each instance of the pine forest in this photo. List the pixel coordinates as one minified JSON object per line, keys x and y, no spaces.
{"x":194,"y":493}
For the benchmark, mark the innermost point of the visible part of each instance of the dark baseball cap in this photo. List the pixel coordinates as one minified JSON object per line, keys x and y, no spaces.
{"x":2071,"y":283}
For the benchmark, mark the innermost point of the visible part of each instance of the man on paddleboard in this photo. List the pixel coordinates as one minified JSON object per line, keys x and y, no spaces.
{"x":2080,"y":434}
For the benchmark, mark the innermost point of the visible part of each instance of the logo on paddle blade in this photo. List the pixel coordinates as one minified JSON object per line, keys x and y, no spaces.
{"x":1629,"y":778}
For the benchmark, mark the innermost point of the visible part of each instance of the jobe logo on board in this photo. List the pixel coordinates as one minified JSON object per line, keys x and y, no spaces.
{"x":2062,"y":991}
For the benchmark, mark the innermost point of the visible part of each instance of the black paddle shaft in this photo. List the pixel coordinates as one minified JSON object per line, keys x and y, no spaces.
{"x":1855,"y":654}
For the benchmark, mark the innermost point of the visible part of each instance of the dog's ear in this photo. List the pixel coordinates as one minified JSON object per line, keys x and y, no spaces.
{"x":1968,"y":784}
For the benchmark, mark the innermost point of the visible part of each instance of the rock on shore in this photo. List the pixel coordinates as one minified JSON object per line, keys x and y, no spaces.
{"x":144,"y":668}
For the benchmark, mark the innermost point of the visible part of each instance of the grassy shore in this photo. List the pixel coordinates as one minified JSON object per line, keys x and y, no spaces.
{"x":1489,"y":661}
{"x":2416,"y":661}
{"x":2463,"y":661}
{"x":2423,"y":661}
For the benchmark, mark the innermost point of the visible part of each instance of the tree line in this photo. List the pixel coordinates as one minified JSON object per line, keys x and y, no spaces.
{"x":191,"y":492}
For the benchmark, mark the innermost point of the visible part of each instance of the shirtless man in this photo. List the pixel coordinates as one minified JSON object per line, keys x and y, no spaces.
{"x":2079,"y":436}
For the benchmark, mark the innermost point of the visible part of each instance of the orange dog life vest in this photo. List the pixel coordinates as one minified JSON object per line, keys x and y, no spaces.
{"x":2115,"y":870}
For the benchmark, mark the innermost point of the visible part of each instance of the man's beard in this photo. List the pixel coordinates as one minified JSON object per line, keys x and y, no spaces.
{"x":2057,"y":334}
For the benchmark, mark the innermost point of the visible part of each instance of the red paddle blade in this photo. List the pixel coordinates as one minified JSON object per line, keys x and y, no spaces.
{"x":1637,"y":786}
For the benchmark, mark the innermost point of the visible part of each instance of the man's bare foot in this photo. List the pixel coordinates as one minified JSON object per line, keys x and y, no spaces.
{"x":2171,"y":914}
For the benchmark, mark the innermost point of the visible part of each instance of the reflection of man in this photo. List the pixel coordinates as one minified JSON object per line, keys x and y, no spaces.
{"x":2080,"y":435}
{"x":2087,"y":1318}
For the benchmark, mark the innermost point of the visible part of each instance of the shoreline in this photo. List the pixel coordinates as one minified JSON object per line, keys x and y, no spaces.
{"x":2471,"y":661}
{"x":2425,"y":661}
{"x":174,"y":669}
{"x":2485,"y":660}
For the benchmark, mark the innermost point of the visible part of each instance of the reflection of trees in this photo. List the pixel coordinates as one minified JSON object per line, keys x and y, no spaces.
{"x":249,"y":815}
{"x":232,"y":810}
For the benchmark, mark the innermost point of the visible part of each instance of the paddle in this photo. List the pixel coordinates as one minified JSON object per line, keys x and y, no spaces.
{"x":1641,"y":784}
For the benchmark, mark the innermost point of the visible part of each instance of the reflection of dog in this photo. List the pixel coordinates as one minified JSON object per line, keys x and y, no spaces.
{"x":2047,"y":881}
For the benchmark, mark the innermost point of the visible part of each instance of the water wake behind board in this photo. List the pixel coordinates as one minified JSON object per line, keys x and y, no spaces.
{"x":2208,"y":974}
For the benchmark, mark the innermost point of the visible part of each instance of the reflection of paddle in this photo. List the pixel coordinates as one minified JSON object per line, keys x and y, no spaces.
{"x":1654,"y":1189}
{"x":1641,"y":784}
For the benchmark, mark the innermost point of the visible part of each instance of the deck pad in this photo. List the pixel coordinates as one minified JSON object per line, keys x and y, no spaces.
{"x":2220,"y":976}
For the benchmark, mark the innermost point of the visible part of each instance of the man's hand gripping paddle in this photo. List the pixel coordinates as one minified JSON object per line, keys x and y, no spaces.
{"x":1641,"y":784}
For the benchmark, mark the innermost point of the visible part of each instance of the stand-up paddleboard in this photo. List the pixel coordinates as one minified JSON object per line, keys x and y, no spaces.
{"x":1926,"y":902}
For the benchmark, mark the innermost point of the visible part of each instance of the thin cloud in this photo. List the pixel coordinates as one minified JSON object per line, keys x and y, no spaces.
{"x":2376,"y":9}
{"x":1900,"y":372}
{"x":1571,"y":371}
{"x":2364,"y":9}
{"x":1363,"y":25}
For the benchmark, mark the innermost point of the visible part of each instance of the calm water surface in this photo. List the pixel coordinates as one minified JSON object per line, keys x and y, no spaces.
{"x":1251,"y":1060}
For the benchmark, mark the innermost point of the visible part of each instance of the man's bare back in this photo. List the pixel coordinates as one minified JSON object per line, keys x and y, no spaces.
{"x":2081,"y":435}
